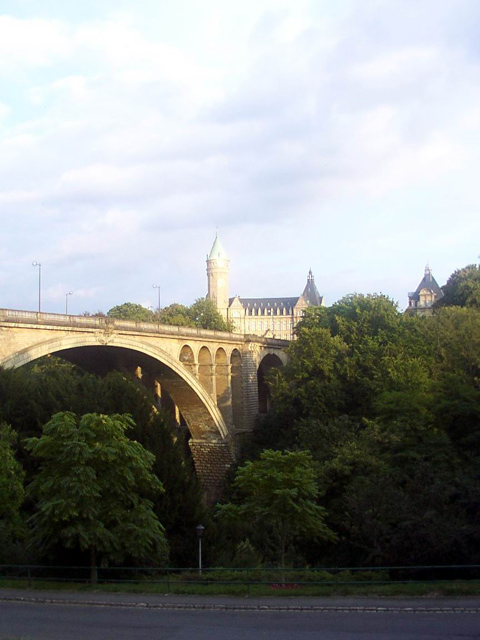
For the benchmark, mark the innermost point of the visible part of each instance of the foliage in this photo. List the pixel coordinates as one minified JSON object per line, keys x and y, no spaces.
{"x":462,"y":288}
{"x":11,"y":495}
{"x":278,"y":494}
{"x":98,"y":314}
{"x":94,"y":488}
{"x":389,"y":407}
{"x":131,"y":311}
{"x":176,"y":314}
{"x":202,"y":313}
{"x":30,"y":395}
{"x":246,"y":555}
{"x":351,"y":358}
{"x":205,"y":315}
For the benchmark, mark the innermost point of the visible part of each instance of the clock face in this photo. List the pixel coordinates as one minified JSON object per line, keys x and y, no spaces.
{"x":221,"y":282}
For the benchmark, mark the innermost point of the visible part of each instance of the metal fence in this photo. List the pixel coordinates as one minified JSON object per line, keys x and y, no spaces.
{"x":273,"y":578}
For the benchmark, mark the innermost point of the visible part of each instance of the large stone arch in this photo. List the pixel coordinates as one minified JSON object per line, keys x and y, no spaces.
{"x":268,"y":362}
{"x":201,"y":414}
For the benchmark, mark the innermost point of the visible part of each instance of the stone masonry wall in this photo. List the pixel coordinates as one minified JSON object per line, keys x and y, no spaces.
{"x":250,"y":386}
{"x":212,"y":461}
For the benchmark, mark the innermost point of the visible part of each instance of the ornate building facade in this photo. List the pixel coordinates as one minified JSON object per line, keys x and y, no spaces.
{"x":421,"y":300}
{"x":271,"y":317}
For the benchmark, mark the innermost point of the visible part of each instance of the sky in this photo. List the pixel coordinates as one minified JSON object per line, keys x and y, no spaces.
{"x":338,"y":136}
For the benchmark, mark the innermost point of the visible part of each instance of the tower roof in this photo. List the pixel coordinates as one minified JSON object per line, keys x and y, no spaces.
{"x":310,"y":293}
{"x":427,"y":282}
{"x":217,"y":252}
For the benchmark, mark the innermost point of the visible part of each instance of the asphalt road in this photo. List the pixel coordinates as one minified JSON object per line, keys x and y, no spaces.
{"x":37,"y":621}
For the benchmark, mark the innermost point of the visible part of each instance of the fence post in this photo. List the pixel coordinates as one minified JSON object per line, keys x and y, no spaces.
{"x":29,"y":577}
{"x":248,"y":582}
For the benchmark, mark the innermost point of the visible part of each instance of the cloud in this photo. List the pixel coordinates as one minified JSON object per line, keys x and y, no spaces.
{"x":115,"y":142}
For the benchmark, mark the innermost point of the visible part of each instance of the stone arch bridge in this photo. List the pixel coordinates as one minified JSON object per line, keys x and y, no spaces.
{"x":213,"y":380}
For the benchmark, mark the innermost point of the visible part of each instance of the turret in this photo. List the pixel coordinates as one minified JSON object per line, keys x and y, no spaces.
{"x":310,"y":293}
{"x":217,"y":275}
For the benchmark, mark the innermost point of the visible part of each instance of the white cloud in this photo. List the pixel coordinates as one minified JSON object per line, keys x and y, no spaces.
{"x":396,"y":63}
{"x":31,"y":43}
{"x":270,"y":115}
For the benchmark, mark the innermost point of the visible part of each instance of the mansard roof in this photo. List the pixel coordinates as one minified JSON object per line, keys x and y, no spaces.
{"x":310,"y":293}
{"x":427,"y":282}
{"x":268,"y":305}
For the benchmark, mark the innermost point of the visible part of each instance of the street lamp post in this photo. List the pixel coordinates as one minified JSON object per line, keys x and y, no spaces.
{"x":200,"y":529}
{"x":38,"y":264}
{"x":157,"y":286}
{"x":70,"y":293}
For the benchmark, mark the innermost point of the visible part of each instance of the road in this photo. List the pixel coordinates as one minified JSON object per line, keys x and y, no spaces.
{"x":38,"y":621}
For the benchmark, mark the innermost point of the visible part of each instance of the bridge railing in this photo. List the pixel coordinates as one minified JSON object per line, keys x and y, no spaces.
{"x":101,"y":322}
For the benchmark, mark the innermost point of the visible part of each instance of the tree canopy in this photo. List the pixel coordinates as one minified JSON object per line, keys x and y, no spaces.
{"x":389,"y":407}
{"x":11,"y":494}
{"x":30,"y":395}
{"x":278,"y":493}
{"x":462,"y":288}
{"x":202,"y":313}
{"x":131,"y":311}
{"x":95,"y":488}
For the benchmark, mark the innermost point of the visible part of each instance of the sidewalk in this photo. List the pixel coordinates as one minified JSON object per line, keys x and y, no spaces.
{"x":230,"y":603}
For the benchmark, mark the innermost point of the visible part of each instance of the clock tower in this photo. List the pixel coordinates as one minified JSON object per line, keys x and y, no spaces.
{"x":217,"y":274}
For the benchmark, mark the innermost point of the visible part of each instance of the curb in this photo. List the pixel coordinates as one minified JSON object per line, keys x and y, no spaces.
{"x":239,"y":607}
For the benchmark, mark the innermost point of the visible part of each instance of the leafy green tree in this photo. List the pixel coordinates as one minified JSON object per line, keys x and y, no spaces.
{"x":94,"y":489}
{"x":393,"y":492}
{"x":202,"y":313}
{"x":11,"y":494}
{"x":205,"y":315}
{"x":312,"y":383}
{"x":30,"y":395}
{"x":176,"y":314}
{"x":462,"y":288}
{"x":358,"y":357}
{"x":131,"y":311}
{"x":278,"y":494}
{"x":455,"y":337}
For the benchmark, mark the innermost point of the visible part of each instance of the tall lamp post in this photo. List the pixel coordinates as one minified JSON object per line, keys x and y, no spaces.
{"x":70,"y":293}
{"x":38,"y":264}
{"x":157,"y":286}
{"x":200,"y":531}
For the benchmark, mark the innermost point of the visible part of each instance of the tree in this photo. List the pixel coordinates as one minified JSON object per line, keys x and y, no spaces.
{"x":356,"y":357}
{"x":94,"y":488}
{"x":131,"y":311}
{"x":31,"y":394}
{"x":176,"y":314}
{"x":11,"y":493}
{"x":205,"y":315}
{"x":202,"y":313}
{"x":278,"y":493}
{"x":462,"y":288}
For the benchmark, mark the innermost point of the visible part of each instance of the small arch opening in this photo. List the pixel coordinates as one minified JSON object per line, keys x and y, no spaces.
{"x":269,"y":362}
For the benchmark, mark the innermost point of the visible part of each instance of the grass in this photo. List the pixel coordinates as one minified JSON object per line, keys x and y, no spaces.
{"x":434,"y":589}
